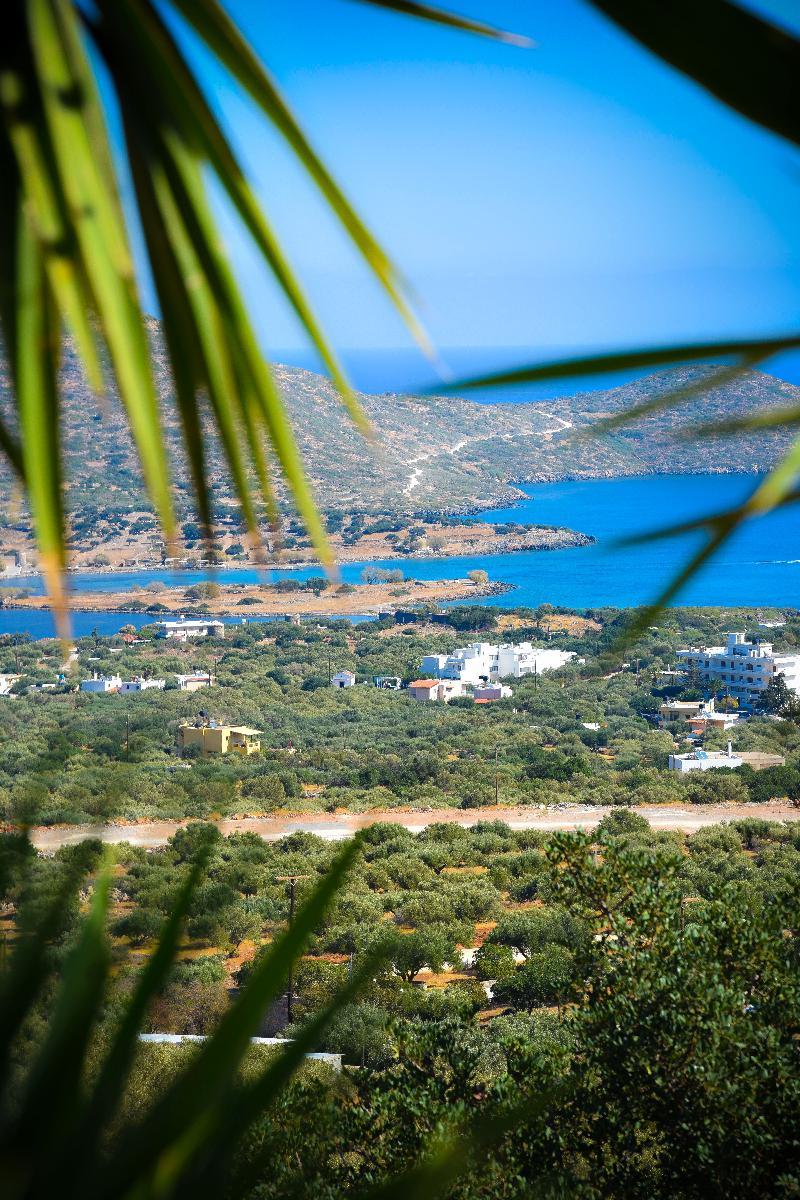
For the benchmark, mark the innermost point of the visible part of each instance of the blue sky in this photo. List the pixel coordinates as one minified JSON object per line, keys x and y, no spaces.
{"x":576,"y":194}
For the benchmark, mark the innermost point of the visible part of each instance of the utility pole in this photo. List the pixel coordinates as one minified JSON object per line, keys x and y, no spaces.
{"x":292,"y":881}
{"x":496,"y":777}
{"x":127,"y":737}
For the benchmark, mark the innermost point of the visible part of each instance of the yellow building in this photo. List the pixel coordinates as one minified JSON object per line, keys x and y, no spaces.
{"x":213,"y":738}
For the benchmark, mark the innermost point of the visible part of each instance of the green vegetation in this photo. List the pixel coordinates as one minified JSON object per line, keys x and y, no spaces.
{"x":71,"y":757}
{"x":644,"y":991}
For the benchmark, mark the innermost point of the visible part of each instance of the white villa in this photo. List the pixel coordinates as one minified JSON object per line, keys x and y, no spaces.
{"x":483,"y":663}
{"x":745,"y":669}
{"x":185,"y":628}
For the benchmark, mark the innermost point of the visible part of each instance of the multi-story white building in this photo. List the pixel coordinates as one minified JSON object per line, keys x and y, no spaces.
{"x":744,"y":669}
{"x":185,"y":628}
{"x":482,"y":662}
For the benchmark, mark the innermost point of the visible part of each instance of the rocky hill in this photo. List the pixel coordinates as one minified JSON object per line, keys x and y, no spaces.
{"x":431,"y":455}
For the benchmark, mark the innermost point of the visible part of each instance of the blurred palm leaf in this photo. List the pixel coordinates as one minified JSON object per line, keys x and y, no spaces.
{"x":439,"y":16}
{"x":51,"y":1136}
{"x":753,"y":66}
{"x":54,"y":1133}
{"x":748,"y":63}
{"x":65,"y":258}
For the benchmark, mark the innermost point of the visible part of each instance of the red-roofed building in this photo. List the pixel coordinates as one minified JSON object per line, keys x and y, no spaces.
{"x":442,"y":690}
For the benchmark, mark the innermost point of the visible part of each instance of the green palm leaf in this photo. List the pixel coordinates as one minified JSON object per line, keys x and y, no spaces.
{"x":181,"y":1118}
{"x":429,"y":12}
{"x":755,"y":349}
{"x":60,"y":180}
{"x":748,"y":63}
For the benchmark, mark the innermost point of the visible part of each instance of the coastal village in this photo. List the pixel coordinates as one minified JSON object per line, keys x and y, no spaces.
{"x":708,"y":690}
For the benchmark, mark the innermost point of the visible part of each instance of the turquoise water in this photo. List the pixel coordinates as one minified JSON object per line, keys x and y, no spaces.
{"x":761,"y":565}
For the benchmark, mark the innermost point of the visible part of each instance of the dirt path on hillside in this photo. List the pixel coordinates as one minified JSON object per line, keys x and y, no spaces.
{"x":336,"y":827}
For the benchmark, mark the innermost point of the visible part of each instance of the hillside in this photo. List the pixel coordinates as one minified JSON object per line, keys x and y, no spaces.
{"x":432,"y":455}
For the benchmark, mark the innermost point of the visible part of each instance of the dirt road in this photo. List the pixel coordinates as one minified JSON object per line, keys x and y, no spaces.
{"x":336,"y":827}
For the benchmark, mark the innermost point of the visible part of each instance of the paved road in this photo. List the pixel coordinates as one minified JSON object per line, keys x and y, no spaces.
{"x":336,"y":828}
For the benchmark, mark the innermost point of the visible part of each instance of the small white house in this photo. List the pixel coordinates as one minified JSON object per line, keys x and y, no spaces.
{"x":137,"y":684}
{"x":195,"y":681}
{"x":7,"y":682}
{"x":101,"y":684}
{"x":343,"y":679}
{"x":705,"y":760}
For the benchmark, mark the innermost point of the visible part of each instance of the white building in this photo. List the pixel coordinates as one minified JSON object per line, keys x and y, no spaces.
{"x":185,"y":628}
{"x":178,"y":1039}
{"x":102,"y":684}
{"x":705,"y":760}
{"x":433,"y":690}
{"x":137,"y":684}
{"x":673,"y":711}
{"x":7,"y":682}
{"x":483,"y":662}
{"x":195,"y":681}
{"x":745,"y":669}
{"x":343,"y":679}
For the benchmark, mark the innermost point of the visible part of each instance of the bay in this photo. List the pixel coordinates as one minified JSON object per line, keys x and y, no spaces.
{"x":759,"y":567}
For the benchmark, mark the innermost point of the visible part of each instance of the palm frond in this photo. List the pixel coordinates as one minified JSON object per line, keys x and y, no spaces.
{"x":774,"y":418}
{"x":776,"y":490}
{"x":710,"y":521}
{"x":61,"y":181}
{"x":210,"y":21}
{"x":636,"y":359}
{"x":439,"y":16}
{"x":187,"y":1110}
{"x":748,"y":63}
{"x":50,"y":1140}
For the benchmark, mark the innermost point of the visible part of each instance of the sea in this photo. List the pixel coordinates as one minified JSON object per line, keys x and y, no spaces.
{"x":758,"y":568}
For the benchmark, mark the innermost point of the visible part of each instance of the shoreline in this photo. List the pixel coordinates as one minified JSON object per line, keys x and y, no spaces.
{"x":468,"y":539}
{"x":474,"y":511}
{"x":367,"y":599}
{"x":339,"y":826}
